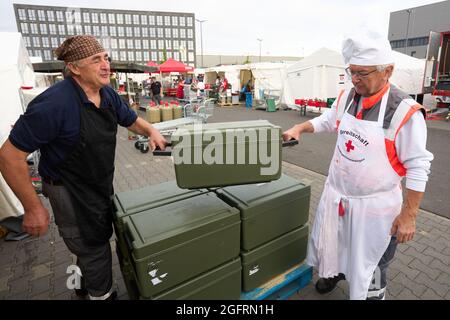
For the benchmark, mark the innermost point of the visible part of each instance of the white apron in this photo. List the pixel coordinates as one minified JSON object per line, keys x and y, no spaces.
{"x":363,"y":180}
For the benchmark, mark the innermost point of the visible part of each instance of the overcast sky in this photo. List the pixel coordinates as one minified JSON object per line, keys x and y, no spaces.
{"x":286,"y":27}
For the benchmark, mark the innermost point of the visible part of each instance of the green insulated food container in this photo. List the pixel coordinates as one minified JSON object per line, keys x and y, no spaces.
{"x":230,"y":153}
{"x":130,"y":202}
{"x":273,"y":258}
{"x":268,"y":210}
{"x":176,"y":242}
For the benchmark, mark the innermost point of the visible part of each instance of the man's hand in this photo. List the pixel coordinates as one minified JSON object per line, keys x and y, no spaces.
{"x":156,"y":139}
{"x":297,"y":130}
{"x":404,"y":225}
{"x":35,"y":221}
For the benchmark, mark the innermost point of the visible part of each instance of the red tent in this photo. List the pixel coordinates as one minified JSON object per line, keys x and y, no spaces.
{"x":172,"y":65}
{"x":153,"y":64}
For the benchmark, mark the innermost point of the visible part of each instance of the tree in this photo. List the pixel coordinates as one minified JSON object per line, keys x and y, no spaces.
{"x":247,"y":61}
{"x":164,"y":59}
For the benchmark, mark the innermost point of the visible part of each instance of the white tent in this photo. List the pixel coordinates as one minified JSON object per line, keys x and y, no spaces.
{"x":15,"y":71}
{"x":320,"y":75}
{"x":269,"y":77}
{"x":408,"y":73}
{"x":231,"y":72}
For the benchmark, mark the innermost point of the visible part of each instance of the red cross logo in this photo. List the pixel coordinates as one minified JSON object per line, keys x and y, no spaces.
{"x":349,"y":146}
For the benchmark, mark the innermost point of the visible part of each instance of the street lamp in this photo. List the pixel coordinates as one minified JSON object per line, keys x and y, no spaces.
{"x":407,"y":30}
{"x":260,"y":40}
{"x":201,"y":36}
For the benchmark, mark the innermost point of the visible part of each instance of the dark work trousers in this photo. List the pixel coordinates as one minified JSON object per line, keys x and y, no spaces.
{"x":379,"y":280}
{"x":95,"y":262}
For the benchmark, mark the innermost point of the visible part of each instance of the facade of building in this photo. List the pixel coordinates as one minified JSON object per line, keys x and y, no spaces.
{"x":133,"y":36}
{"x":409,"y":29}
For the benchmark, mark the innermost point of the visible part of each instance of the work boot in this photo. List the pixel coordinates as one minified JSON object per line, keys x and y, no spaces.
{"x":376,"y":294}
{"x":325,"y":285}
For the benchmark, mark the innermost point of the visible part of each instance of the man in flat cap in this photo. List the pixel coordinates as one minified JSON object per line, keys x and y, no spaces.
{"x":74,"y":125}
{"x":381,"y":139}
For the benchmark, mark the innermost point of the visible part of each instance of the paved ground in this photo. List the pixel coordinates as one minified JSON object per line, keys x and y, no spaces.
{"x":36,"y":268}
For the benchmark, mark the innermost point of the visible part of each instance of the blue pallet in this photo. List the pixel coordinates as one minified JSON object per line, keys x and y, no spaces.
{"x":282,"y":286}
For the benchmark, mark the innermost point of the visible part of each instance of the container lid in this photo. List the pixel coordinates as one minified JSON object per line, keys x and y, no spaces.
{"x":170,"y":225}
{"x":153,"y":196}
{"x":251,"y":195}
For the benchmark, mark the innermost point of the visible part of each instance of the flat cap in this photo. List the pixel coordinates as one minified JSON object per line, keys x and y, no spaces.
{"x":77,"y":48}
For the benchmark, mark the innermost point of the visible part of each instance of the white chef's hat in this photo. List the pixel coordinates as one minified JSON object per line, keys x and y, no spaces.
{"x":367,"y":49}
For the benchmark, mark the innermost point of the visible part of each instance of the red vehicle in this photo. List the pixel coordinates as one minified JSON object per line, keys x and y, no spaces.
{"x":437,"y":68}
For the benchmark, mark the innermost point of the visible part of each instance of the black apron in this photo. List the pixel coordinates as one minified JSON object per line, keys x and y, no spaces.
{"x":88,"y":171}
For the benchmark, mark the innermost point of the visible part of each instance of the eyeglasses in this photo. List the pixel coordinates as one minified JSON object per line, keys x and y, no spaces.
{"x":358,"y":74}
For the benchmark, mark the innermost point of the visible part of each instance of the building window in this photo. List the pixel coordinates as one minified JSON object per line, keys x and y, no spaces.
{"x":119,"y":18}
{"x":36,"y":42}
{"x":31,"y":15}
{"x":77,"y":16}
{"x":174,"y":33}
{"x":151,"y":20}
{"x":190,"y":45}
{"x":174,"y":21}
{"x":87,"y":30}
{"x":59,"y":16}
{"x":45,"y":42}
{"x":137,"y":31}
{"x":70,"y":30}
{"x":43,"y":28}
{"x":62,"y":39}
{"x":105,"y":31}
{"x":160,"y":32}
{"x":176,"y":55}
{"x":115,"y":55}
{"x":416,"y":42}
{"x":86,"y":17}
{"x":105,"y":43}
{"x":41,"y":15}
{"x":61,"y":30}
{"x":190,"y":33}
{"x":52,"y":29}
{"x":37,"y":53}
{"x":111,"y":18}
{"x":54,"y":42}
{"x":152,"y":32}
{"x":146,"y":56}
{"x":137,"y":44}
{"x":112,"y":31}
{"x":144,"y":20}
{"x":103,"y":18}
{"x":123,"y":56}
{"x":168,"y":45}
{"x":27,"y":41}
{"x":167,"y":32}
{"x":145,"y":44}
{"x":22,"y":14}
{"x":413,"y":53}
{"x":96,"y":30}
{"x":144,"y":32}
{"x":182,"y":21}
{"x":153,"y":44}
{"x":50,"y":16}
{"x":129,"y":31}
{"x":114,"y":43}
{"x":138,"y":56}
{"x":128,"y":19}
{"x":121,"y":31}
{"x":130,"y":56}
{"x":33,"y":28}
{"x":94,"y":16}
{"x":30,"y":52}
{"x":154,"y":56}
{"x":122,"y":44}
{"x":167,"y":20}
{"x":160,"y":55}
{"x":398,"y":44}
{"x":182,"y":33}
{"x":169,"y":54}
{"x":130,"y":44}
{"x":176,"y":45}
{"x":159,"y":20}
{"x":47,"y":55}
{"x":160,"y":44}
{"x":135,"y":19}
{"x":191,"y":57}
{"x":189,"y":21}
{"x":24,"y":27}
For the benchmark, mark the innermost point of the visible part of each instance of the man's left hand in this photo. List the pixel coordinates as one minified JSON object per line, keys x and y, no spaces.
{"x":156,"y":139}
{"x":404,"y":225}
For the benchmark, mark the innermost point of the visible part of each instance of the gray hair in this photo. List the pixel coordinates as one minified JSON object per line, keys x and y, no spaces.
{"x":383,"y":67}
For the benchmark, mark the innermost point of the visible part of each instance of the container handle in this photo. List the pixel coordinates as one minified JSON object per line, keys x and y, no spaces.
{"x":166,"y":153}
{"x":289,"y":143}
